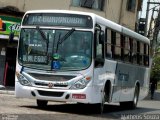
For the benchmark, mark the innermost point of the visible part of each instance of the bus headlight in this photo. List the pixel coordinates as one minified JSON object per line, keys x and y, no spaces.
{"x":82,"y":83}
{"x":23,"y":80}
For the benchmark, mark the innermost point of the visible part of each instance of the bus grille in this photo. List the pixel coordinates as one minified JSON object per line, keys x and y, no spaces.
{"x":51,"y":94}
{"x":46,"y":84}
{"x":51,"y":77}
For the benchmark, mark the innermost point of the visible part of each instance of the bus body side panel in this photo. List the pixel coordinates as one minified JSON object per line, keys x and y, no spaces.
{"x":145,"y":89}
{"x":101,"y":75}
{"x":127,"y":76}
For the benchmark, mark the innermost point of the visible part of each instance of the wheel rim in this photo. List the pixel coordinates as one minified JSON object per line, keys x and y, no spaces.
{"x":136,"y":97}
{"x":103,"y":101}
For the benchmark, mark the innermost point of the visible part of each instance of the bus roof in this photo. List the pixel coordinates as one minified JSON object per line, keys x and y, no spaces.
{"x":121,"y":29}
{"x":103,"y":21}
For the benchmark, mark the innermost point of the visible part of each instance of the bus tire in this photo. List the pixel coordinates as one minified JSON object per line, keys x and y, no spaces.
{"x":105,"y":97}
{"x":131,"y":104}
{"x":42,"y":103}
{"x":135,"y":99}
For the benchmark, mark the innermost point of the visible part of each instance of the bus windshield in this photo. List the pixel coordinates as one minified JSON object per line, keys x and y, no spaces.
{"x":39,"y":48}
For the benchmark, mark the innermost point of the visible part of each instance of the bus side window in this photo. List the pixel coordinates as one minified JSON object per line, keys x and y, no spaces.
{"x":108,"y":43}
{"x":98,"y":46}
{"x":122,"y":46}
{"x":113,"y":42}
{"x":141,"y":53}
{"x":146,"y":55}
{"x":127,"y":50}
{"x":134,"y":53}
{"x":117,"y":54}
{"x":131,"y":49}
{"x":138,"y":52}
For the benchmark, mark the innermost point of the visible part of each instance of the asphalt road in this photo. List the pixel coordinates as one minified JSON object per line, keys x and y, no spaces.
{"x":12,"y":108}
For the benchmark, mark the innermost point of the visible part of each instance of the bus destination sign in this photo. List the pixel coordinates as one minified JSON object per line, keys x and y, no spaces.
{"x":55,"y":19}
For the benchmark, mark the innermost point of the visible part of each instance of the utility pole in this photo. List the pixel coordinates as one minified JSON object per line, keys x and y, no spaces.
{"x":147,"y":15}
{"x":150,"y":25}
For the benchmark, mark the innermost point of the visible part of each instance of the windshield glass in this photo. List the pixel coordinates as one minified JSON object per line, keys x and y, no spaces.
{"x":55,"y":49}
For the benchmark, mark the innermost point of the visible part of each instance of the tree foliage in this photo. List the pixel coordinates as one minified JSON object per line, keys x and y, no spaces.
{"x":155,"y":71}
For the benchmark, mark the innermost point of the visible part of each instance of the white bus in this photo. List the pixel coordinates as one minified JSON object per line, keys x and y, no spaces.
{"x":72,"y":56}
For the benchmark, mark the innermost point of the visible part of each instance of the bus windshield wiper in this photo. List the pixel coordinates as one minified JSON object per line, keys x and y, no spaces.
{"x":46,"y":39}
{"x":41,"y":33}
{"x":60,"y":41}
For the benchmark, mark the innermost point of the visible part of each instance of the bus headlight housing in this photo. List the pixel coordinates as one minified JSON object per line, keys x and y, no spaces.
{"x":23,"y":80}
{"x":82,"y":83}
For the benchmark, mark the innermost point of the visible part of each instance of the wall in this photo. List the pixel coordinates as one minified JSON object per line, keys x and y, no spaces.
{"x":128,"y":18}
{"x":112,"y":9}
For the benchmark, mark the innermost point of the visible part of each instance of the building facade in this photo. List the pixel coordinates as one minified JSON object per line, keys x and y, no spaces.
{"x":9,"y":24}
{"x":123,"y":12}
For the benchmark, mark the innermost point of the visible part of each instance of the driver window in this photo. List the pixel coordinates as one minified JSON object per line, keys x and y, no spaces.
{"x":99,"y":53}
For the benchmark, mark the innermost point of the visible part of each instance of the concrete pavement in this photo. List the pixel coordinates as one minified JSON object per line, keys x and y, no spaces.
{"x":10,"y":91}
{"x":6,"y":90}
{"x":1,"y":87}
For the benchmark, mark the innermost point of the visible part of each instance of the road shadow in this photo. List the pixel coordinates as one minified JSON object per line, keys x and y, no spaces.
{"x":110,"y":111}
{"x":156,"y":96}
{"x":113,"y":111}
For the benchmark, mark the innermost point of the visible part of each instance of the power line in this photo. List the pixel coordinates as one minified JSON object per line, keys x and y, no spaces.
{"x":153,"y":7}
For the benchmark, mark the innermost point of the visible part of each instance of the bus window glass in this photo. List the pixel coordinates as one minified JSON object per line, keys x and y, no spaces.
{"x":99,"y":53}
{"x":134,"y":53}
{"x":74,"y":52}
{"x":126,"y":50}
{"x":113,"y":42}
{"x":122,"y":46}
{"x":146,"y":55}
{"x":131,"y":49}
{"x":138,"y":52}
{"x":141,"y":53}
{"x":108,"y":44}
{"x":118,"y":46}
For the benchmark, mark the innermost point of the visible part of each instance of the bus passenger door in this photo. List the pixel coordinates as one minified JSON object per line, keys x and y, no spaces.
{"x":99,"y":47}
{"x":98,"y":60}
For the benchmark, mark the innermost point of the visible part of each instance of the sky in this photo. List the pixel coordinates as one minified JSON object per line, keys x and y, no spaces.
{"x":144,"y":8}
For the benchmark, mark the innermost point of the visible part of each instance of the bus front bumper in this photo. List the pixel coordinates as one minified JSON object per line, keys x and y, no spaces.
{"x":81,"y":96}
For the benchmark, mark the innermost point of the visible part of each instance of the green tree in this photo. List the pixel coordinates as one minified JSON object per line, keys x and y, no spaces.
{"x":155,"y":71}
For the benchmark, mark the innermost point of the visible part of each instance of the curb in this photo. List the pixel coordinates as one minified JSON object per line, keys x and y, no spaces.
{"x":6,"y":90}
{"x":9,"y":92}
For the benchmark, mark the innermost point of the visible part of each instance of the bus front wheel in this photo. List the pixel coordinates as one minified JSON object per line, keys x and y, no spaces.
{"x":42,"y":103}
